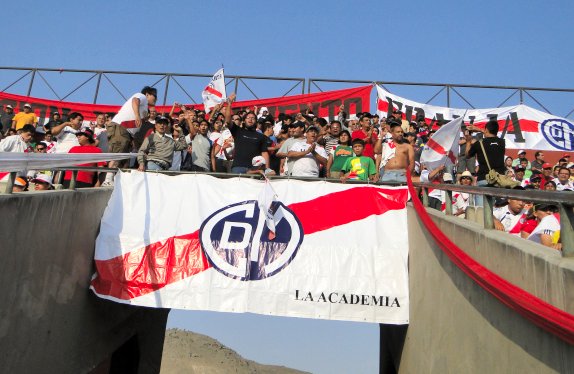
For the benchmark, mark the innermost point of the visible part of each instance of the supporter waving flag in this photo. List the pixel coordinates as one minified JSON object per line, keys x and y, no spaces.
{"x":214,"y":92}
{"x":442,"y":147}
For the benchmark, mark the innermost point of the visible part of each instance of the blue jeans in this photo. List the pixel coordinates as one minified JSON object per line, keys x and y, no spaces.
{"x":152,"y":166}
{"x":394,"y":176}
{"x":478,"y":201}
{"x":239,"y":170}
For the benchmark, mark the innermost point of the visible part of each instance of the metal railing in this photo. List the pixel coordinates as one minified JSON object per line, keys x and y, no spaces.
{"x":564,"y":201}
{"x":168,"y":80}
{"x":118,"y":82}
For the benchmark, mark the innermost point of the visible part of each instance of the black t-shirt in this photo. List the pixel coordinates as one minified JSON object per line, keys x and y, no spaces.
{"x":495,"y":149}
{"x":248,"y":144}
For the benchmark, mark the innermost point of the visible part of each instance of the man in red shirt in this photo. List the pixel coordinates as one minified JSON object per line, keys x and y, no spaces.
{"x":84,"y":179}
{"x":366,"y":133}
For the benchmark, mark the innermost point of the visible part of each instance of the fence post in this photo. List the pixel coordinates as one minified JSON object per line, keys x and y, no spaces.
{"x":73,"y":180}
{"x":488,"y":205}
{"x":10,"y":182}
{"x":425,"y":196}
{"x":566,"y":232}
{"x":448,"y":203}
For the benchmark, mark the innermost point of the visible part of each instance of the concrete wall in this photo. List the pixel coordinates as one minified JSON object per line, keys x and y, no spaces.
{"x":457,"y":327}
{"x":49,"y":321}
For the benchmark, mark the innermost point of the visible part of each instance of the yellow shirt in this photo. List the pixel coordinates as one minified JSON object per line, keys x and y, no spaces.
{"x":22,"y":119}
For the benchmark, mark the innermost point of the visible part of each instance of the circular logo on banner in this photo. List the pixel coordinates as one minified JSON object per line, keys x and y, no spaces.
{"x":237,"y":243}
{"x":559,"y":133}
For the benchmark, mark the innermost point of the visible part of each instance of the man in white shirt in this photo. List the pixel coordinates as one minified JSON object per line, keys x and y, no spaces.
{"x":307,"y":155}
{"x":19,"y":142}
{"x":563,"y":180}
{"x":126,"y":123}
{"x":65,"y":133}
{"x":511,"y":217}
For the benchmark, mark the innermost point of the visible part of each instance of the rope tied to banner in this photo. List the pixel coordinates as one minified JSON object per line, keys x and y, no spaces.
{"x":536,"y":310}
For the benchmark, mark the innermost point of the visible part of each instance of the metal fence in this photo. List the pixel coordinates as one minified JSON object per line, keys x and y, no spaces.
{"x":565,"y":201}
{"x":97,"y":86}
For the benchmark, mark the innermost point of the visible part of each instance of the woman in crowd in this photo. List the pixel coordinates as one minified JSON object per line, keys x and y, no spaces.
{"x":339,"y":155}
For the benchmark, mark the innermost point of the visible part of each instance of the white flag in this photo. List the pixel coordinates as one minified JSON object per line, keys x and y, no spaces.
{"x":214,"y":93}
{"x":265,"y":203}
{"x":442,"y":147}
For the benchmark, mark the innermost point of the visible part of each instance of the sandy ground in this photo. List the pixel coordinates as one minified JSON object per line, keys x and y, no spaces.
{"x":185,"y":352}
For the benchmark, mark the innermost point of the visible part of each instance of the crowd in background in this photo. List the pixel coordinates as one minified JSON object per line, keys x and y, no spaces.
{"x":361,"y":147}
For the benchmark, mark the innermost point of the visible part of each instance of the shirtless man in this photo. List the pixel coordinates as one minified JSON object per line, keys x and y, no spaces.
{"x":394,"y":156}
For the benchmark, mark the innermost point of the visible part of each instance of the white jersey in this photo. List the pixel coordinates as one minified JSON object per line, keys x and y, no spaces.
{"x":512,"y":223}
{"x":548,"y":225}
{"x":66,"y":139}
{"x":126,"y":116}
{"x":306,"y":166}
{"x":13,"y":143}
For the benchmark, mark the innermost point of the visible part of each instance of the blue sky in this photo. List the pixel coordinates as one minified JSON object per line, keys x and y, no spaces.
{"x":526,"y":43}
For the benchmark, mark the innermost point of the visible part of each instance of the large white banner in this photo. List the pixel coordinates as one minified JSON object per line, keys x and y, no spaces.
{"x":197,"y":242}
{"x":521,"y":126}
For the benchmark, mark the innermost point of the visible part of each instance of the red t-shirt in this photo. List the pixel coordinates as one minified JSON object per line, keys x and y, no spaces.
{"x":369,"y":150}
{"x":85,"y":176}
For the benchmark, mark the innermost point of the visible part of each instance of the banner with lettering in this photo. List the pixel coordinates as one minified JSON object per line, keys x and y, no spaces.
{"x":521,"y":126}
{"x":324,"y":104}
{"x":197,"y":242}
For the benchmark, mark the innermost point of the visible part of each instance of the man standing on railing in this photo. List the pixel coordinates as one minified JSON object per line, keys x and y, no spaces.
{"x":494,"y":149}
{"x":126,"y":123}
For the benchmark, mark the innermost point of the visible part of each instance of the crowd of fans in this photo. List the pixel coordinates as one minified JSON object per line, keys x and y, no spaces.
{"x":361,"y":147}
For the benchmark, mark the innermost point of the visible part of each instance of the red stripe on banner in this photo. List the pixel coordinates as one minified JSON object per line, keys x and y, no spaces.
{"x":159,"y":264}
{"x":542,"y":314}
{"x":347,"y":206}
{"x":151,"y":268}
{"x":432,"y":144}
{"x":213,"y":91}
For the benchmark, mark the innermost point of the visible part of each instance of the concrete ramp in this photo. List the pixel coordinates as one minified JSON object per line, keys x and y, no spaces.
{"x":458,"y":327}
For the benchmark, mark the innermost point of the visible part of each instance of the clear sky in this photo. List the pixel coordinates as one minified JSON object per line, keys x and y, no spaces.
{"x":526,"y":43}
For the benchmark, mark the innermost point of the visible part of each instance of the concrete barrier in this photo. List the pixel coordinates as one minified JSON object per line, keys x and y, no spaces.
{"x":457,"y":327}
{"x":49,"y":321}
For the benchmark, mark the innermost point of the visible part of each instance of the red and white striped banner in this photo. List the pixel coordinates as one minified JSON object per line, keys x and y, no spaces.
{"x":521,"y":126}
{"x":339,"y":251}
{"x":324,"y":104}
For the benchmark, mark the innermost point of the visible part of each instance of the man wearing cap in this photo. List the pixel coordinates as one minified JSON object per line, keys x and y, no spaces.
{"x":297,"y":129}
{"x":307,"y":155}
{"x":258,"y":163}
{"x":84,"y":179}
{"x":519,"y":176}
{"x":511,"y":217}
{"x":156,"y":151}
{"x":547,"y":232}
{"x":521,"y":155}
{"x":42,"y":182}
{"x":20,"y":185}
{"x":26,"y":117}
{"x":54,"y":121}
{"x":65,"y":132}
{"x":462,"y":199}
{"x":6,"y":118}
